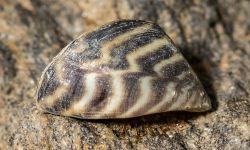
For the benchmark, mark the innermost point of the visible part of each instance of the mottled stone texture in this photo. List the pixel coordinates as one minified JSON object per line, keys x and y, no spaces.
{"x":213,"y":35}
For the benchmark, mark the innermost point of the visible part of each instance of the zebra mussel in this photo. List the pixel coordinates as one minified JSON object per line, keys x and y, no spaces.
{"x":124,"y":69}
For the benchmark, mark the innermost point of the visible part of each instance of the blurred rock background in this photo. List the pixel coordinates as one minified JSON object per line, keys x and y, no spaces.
{"x":214,"y":35}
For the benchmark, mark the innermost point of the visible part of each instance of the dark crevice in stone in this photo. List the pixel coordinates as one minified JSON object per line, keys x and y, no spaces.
{"x":154,"y":10}
{"x":178,"y":137}
{"x":144,"y":12}
{"x":227,"y":23}
{"x":179,"y":24}
{"x":8,"y":62}
{"x":43,"y":22}
{"x":223,"y":18}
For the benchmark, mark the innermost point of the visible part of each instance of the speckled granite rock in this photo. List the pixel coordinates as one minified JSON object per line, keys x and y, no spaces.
{"x":213,"y":35}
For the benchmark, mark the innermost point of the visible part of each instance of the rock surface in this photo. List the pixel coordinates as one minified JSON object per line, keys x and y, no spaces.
{"x":213,"y":35}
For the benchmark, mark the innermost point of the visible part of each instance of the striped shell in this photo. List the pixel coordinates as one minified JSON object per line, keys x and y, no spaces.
{"x":124,"y":69}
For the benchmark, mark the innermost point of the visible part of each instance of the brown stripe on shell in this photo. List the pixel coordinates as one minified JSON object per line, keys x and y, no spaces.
{"x":185,"y":85}
{"x":183,"y":97}
{"x":114,"y":100}
{"x":49,"y":83}
{"x":168,"y":95}
{"x":120,"y":52}
{"x":145,"y":85}
{"x":66,"y":100}
{"x":178,"y":85}
{"x":175,"y":69}
{"x":75,"y":78}
{"x":186,"y":80}
{"x":131,"y":92}
{"x":148,"y":61}
{"x":158,"y":88}
{"x":102,"y":93}
{"x":191,"y":99}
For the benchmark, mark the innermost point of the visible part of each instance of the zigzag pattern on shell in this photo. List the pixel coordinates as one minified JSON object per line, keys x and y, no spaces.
{"x":124,"y":69}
